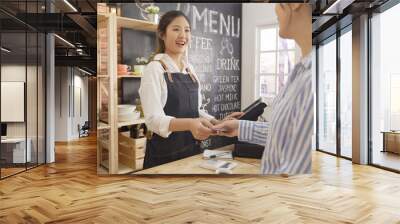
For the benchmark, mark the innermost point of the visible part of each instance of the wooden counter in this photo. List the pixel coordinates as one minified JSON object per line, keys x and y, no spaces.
{"x":191,"y":165}
{"x":391,"y":141}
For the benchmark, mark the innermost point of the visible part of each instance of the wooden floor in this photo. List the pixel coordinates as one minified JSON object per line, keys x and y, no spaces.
{"x":8,"y":171}
{"x":387,"y":159}
{"x":69,"y":191}
{"x":5,"y":172}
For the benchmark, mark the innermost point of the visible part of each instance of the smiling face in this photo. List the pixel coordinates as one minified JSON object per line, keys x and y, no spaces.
{"x":177,"y":36}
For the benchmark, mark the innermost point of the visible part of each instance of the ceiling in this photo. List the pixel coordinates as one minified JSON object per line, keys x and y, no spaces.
{"x":79,"y":27}
{"x":332,"y":15}
{"x":73,"y":20}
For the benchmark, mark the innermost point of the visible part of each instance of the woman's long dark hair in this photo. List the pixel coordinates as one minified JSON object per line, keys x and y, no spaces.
{"x":165,"y":20}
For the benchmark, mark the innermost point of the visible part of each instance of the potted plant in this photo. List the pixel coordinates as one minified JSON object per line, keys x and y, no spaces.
{"x":152,"y":13}
{"x":141,"y":63}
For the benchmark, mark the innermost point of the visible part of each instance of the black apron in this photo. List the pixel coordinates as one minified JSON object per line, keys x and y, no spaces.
{"x":182,"y":102}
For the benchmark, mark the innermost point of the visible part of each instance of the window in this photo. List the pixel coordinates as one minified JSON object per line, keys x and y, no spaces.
{"x":327,"y":97}
{"x":275,"y":60}
{"x":394,"y":101}
{"x":22,"y":67}
{"x":385,"y":89}
{"x":335,"y":107}
{"x":346,"y":94}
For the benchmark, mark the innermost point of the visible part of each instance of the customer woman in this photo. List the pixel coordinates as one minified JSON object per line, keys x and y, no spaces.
{"x":287,"y":135}
{"x":171,"y":98}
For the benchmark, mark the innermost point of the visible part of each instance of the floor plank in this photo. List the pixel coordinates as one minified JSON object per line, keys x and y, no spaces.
{"x":69,"y":191}
{"x":386,"y":159}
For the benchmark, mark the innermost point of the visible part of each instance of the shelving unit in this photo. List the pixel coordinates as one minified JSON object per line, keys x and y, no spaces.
{"x":127,"y":123}
{"x":130,"y":76}
{"x":123,"y":22}
{"x":102,"y":126}
{"x":101,"y":17}
{"x":118,"y":154}
{"x":122,"y":169}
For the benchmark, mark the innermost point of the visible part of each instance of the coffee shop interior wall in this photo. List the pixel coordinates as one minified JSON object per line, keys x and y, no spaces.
{"x":253,"y":22}
{"x":71,"y":102}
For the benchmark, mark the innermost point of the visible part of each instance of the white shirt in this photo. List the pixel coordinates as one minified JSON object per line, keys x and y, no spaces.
{"x":153,"y":93}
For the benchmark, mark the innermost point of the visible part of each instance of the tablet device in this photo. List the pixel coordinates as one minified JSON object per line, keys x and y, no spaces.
{"x":251,"y":106}
{"x":254,"y":110}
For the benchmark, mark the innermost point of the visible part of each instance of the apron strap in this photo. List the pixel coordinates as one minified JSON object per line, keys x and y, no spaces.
{"x":166,"y":70}
{"x":169,"y":73}
{"x":191,"y":74}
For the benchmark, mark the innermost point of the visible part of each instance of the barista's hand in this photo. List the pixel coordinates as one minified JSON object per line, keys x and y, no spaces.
{"x":228,"y":128}
{"x":200,"y":128}
{"x":233,"y":116}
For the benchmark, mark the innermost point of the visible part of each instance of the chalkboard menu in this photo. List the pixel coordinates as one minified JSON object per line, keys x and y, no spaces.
{"x":215,"y":53}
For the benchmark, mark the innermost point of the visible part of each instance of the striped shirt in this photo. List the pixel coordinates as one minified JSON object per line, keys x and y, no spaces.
{"x":287,"y":135}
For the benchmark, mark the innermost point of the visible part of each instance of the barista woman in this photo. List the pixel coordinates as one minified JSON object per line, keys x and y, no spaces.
{"x":171,"y":98}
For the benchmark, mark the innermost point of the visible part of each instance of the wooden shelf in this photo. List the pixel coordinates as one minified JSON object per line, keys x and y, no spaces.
{"x":130,"y":76}
{"x":101,"y":17}
{"x":131,"y":73}
{"x":127,"y":123}
{"x":124,"y":22}
{"x":122,"y":169}
{"x":101,"y":170}
{"x":102,"y":125}
{"x":110,"y":144}
{"x":105,"y":144}
{"x":104,"y":164}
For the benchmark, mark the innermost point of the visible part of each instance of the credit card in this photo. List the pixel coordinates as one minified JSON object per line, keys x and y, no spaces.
{"x":219,"y":129}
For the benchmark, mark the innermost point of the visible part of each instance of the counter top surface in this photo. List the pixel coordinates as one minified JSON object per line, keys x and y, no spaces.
{"x":191,"y":165}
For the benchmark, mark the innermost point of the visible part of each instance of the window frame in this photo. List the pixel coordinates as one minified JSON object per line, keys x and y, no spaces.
{"x":277,"y":51}
{"x":370,"y":151}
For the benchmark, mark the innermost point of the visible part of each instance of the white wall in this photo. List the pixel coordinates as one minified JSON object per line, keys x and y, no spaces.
{"x":80,"y":83}
{"x":61,"y":103}
{"x":15,"y":73}
{"x":67,"y":116}
{"x":253,"y":15}
{"x":33,"y":126}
